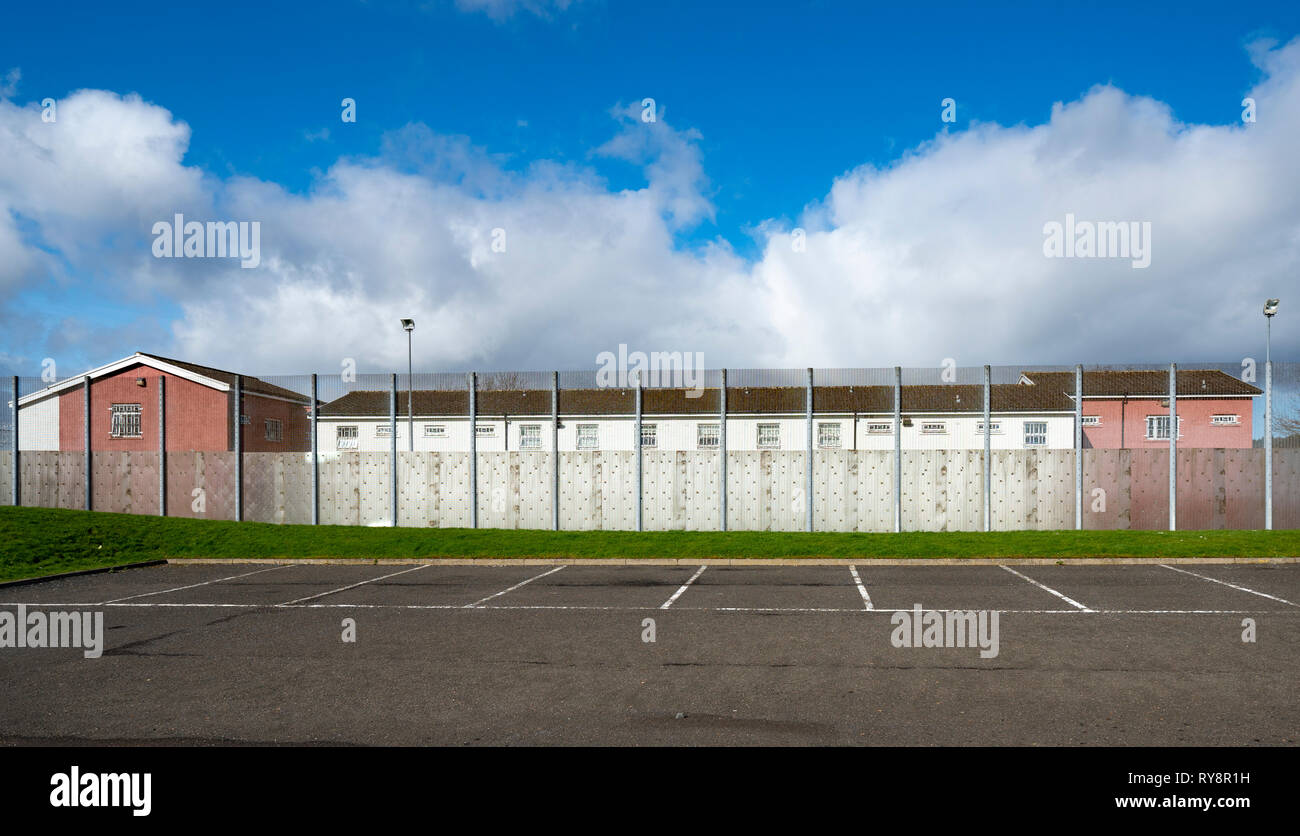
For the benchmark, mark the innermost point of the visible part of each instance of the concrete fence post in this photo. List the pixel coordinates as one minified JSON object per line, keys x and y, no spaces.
{"x":1268,"y":445}
{"x":988,"y":449}
{"x":722,"y":453}
{"x":162,"y":446}
{"x":473,"y":449}
{"x":637,"y":447}
{"x":1173,"y":446}
{"x":808,"y":467}
{"x":14,"y":488}
{"x":555,"y":451}
{"x":898,"y":449}
{"x":239,"y":448}
{"x":1078,"y":447}
{"x":392,"y":449}
{"x":90,"y":503}
{"x":315,"y":456}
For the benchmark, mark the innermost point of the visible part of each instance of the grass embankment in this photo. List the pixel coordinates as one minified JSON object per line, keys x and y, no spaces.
{"x":43,"y":541}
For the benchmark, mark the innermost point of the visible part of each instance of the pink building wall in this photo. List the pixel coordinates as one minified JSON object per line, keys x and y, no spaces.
{"x":1194,"y":418}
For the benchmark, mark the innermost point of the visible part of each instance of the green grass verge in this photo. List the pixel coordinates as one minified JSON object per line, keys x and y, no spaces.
{"x":41,"y":541}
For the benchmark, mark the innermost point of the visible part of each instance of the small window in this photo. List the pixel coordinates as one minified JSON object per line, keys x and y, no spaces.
{"x":486,"y":430}
{"x":588,"y":438}
{"x":649,"y":435}
{"x":385,"y":431}
{"x":880,"y":428}
{"x":530,"y":436}
{"x":828,"y":435}
{"x":274,"y":430}
{"x":769,"y":436}
{"x":706,"y":436}
{"x":1092,"y":420}
{"x":997,"y":427}
{"x":126,"y":421}
{"x":1158,"y":427}
{"x":347,"y":438}
{"x":1225,"y":420}
{"x":1035,"y":433}
{"x":435,"y":430}
{"x":933,"y":428}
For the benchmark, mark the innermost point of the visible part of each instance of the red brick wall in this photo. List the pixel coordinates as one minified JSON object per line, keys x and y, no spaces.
{"x":198,"y":417}
{"x":1197,"y":431}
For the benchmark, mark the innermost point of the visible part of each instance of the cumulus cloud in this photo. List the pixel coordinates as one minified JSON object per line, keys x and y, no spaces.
{"x":939,"y":254}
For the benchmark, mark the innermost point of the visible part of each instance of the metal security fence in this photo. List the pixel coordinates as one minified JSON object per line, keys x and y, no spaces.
{"x":947,"y":448}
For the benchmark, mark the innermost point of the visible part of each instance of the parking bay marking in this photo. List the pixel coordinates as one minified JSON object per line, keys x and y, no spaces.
{"x":1233,"y":585}
{"x":479,"y":603}
{"x":666,"y":604}
{"x":1067,"y":599}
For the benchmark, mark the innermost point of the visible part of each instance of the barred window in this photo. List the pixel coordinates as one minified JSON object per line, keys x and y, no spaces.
{"x":934,"y":428}
{"x":530,"y":436}
{"x":828,"y":434}
{"x":1158,"y":427}
{"x":650,"y":435}
{"x":706,"y":436}
{"x":1035,"y":433}
{"x":996,"y":425}
{"x":588,"y":437}
{"x":769,"y":436}
{"x":880,"y":428}
{"x":126,"y":420}
{"x":347,"y":438}
{"x":274,"y":430}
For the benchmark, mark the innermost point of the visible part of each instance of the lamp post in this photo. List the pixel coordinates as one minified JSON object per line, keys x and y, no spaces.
{"x":408,"y":325}
{"x":1270,"y":308}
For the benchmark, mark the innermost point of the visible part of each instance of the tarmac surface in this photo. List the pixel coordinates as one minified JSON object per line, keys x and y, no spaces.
{"x":558,"y":655}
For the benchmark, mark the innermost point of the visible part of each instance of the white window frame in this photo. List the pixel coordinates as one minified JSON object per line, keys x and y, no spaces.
{"x":934,"y":428}
{"x":347,"y":437}
{"x":123,"y":419}
{"x":1091,"y":421}
{"x":823,"y":441}
{"x":485,"y":430}
{"x":880,"y":428}
{"x":1162,"y":420}
{"x":385,"y":430}
{"x":649,"y":436}
{"x":1033,"y":437}
{"x":1225,"y":420}
{"x":773,"y":442}
{"x":435,"y":431}
{"x":997,"y":427}
{"x":589,"y":432}
{"x":274,"y":429}
{"x":530,"y":436}
{"x":708,"y":436}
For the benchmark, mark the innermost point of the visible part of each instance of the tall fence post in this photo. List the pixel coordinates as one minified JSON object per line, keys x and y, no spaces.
{"x":808,"y":467}
{"x":14,"y":489}
{"x":555,"y":451}
{"x":1268,"y":445}
{"x":638,"y":452}
{"x":315,"y":456}
{"x":473,"y":449}
{"x":1078,"y":447}
{"x":162,"y":446}
{"x":392,"y":449}
{"x":90,"y":503}
{"x":239,"y":448}
{"x":722,"y":452}
{"x":988,"y":449}
{"x":1173,"y":446}
{"x":898,"y":449}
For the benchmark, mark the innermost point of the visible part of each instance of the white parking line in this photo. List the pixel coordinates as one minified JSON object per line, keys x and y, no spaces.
{"x":866,"y":599}
{"x":191,"y":586}
{"x":1067,"y":599}
{"x":1233,"y":585}
{"x":352,"y":586}
{"x":480,"y":601}
{"x":678,"y":593}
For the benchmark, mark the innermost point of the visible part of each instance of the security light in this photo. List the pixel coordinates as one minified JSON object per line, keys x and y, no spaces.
{"x":1270,"y":307}
{"x":408,"y":324}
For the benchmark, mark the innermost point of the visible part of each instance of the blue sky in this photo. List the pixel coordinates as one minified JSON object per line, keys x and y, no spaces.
{"x":769,"y":107}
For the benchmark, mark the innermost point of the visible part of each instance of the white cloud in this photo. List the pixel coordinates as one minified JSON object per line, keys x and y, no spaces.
{"x":500,"y":10}
{"x":938,"y":255}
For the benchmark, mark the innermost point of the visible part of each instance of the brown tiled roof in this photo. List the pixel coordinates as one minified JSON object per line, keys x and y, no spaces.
{"x":740,"y":400}
{"x":1118,"y":383}
{"x":250,"y":384}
